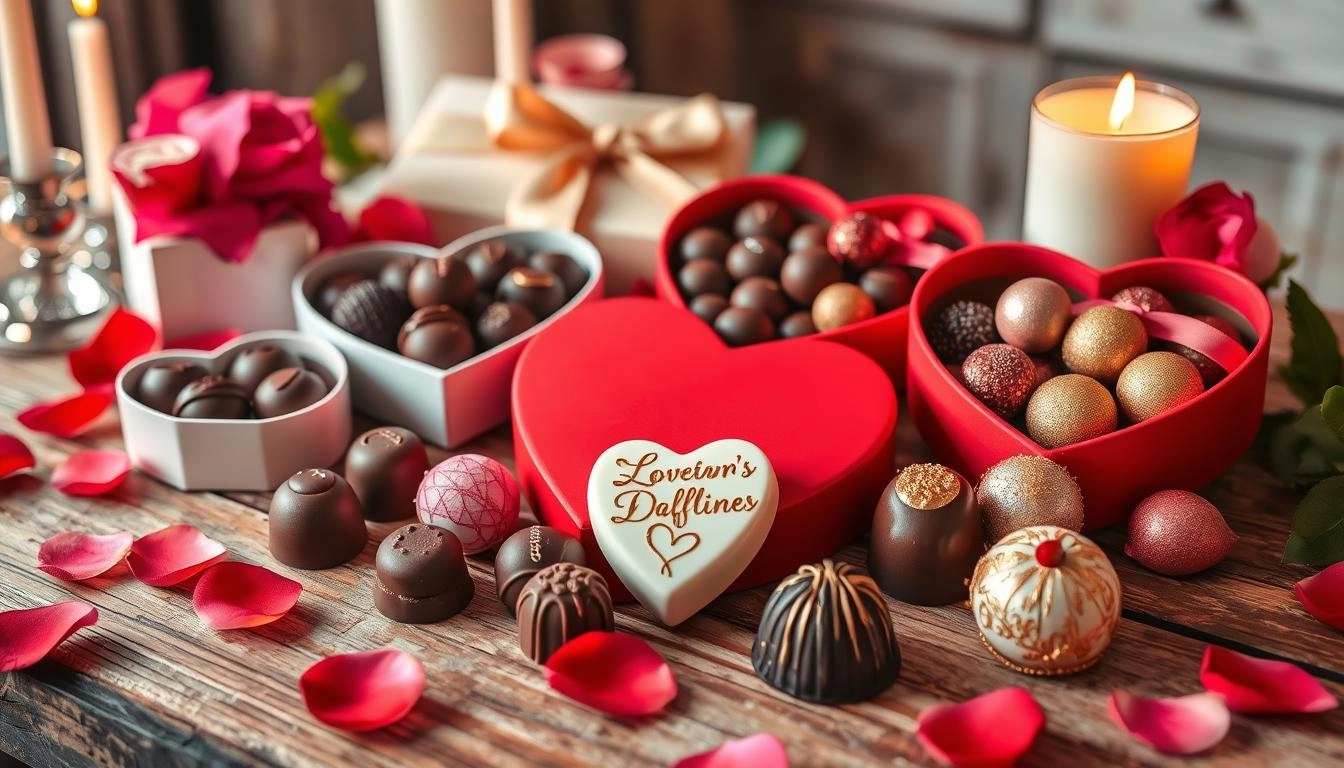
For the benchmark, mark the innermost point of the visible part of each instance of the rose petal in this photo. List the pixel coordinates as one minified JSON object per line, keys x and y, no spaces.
{"x":76,"y":556}
{"x":394,"y":218}
{"x":91,"y":473}
{"x":68,"y":416}
{"x":173,"y":555}
{"x":363,"y":691}
{"x":241,"y":595}
{"x":993,"y":729}
{"x":158,"y":110}
{"x":612,"y":672}
{"x":1323,"y":595}
{"x":29,"y":634}
{"x":204,"y":341}
{"x":124,"y":337}
{"x":1179,"y":726}
{"x":760,"y":751}
{"x":1249,"y":684}
{"x":14,"y":456}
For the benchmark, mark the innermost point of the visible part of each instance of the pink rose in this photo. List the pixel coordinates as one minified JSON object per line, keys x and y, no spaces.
{"x":1212,"y":224}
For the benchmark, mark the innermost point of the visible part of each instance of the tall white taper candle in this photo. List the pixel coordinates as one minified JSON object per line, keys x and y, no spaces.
{"x":26,"y":120}
{"x":96,"y":95}
{"x":513,"y":40}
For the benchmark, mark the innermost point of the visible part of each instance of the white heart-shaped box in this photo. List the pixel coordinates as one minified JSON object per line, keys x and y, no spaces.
{"x":237,"y":454}
{"x":679,"y":528}
{"x":446,"y":407}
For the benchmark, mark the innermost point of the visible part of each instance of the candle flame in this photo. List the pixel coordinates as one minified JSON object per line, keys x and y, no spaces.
{"x":85,"y":8}
{"x":1123,"y":105}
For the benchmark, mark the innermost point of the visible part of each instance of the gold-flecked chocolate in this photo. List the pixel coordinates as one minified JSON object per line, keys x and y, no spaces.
{"x":927,"y":486}
{"x":1102,"y":341}
{"x":1156,"y":382}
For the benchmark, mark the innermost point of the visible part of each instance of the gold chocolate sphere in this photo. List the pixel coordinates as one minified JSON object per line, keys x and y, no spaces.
{"x":1070,"y":409}
{"x":1102,"y":341}
{"x":1155,"y":382}
{"x":840,"y":304}
{"x":1033,"y":313}
{"x":1028,"y":490}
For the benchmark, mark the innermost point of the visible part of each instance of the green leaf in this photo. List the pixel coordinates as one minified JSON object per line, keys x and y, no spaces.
{"x":779,"y":144}
{"x":338,"y":136}
{"x":1270,"y":426}
{"x":1321,"y":510}
{"x":1296,"y":461}
{"x":1286,"y":262}
{"x":1322,"y":551}
{"x":1332,"y":410}
{"x":1316,"y":364}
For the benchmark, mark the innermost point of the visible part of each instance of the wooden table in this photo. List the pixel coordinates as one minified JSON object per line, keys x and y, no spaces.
{"x":149,"y":685}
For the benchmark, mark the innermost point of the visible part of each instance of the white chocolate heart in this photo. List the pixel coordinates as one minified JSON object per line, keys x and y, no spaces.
{"x":679,"y":529}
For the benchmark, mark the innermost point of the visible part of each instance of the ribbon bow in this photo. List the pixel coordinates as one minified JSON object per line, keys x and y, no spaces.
{"x":517,"y":117}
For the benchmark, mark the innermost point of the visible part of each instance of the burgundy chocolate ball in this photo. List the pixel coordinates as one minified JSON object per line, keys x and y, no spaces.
{"x":371,"y":311}
{"x":490,"y":261}
{"x":438,"y":336}
{"x":761,"y":293}
{"x":889,"y":287}
{"x":161,"y":383}
{"x":441,"y":280}
{"x":703,"y":276}
{"x":858,"y":240}
{"x":257,"y":361}
{"x":1002,"y":376}
{"x":754,"y":256}
{"x":213,"y":397}
{"x":797,"y":324}
{"x":288,"y":390}
{"x":384,"y":466}
{"x":763,"y":218}
{"x":707,"y":306}
{"x":541,"y":292}
{"x":705,"y":243}
{"x":807,"y":271}
{"x":740,"y":326}
{"x":502,"y":321}
{"x":563,"y":266}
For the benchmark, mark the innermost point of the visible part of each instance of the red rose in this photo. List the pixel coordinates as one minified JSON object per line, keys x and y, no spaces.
{"x":1213,"y":224}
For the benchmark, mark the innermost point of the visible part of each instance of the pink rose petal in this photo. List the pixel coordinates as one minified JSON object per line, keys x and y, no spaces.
{"x":363,"y":691}
{"x":1179,"y":726}
{"x":75,"y":556}
{"x":241,"y":595}
{"x":91,"y":473}
{"x":993,"y":730}
{"x":14,"y":456}
{"x":29,"y":634}
{"x":1249,"y":684}
{"x":123,"y":337}
{"x":161,"y":106}
{"x":760,"y":751}
{"x":1323,"y":595}
{"x":67,"y":416}
{"x":394,"y":218}
{"x":173,"y":555}
{"x":204,"y":341}
{"x":612,"y":672}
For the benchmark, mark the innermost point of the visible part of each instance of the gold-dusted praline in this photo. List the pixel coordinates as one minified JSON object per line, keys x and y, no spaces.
{"x":1102,"y":341}
{"x":927,"y":486}
{"x":1156,"y":382}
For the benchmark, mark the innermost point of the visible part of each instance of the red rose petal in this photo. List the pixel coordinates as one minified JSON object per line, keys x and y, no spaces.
{"x":363,"y":691}
{"x":122,"y":338}
{"x":612,"y":672}
{"x":204,"y":341}
{"x":1249,"y":684}
{"x":90,"y":473}
{"x":76,"y":556}
{"x":760,"y":751}
{"x":395,"y":218}
{"x":29,"y":634}
{"x":14,"y":456}
{"x":67,"y":416}
{"x":991,"y":730}
{"x":241,"y":595}
{"x":1322,"y":595}
{"x":1179,"y":726}
{"x":173,"y":555}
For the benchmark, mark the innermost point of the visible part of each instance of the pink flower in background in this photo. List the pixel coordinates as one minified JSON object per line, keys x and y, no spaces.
{"x":1216,"y":224}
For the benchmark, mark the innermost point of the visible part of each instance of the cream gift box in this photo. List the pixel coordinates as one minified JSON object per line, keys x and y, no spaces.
{"x":448,"y":164}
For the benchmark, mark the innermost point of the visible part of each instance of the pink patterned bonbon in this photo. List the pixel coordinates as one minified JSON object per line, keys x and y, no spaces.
{"x":473,"y":496}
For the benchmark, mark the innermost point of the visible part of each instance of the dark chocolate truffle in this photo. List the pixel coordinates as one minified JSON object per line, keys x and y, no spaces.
{"x":557,"y":605}
{"x":563,"y":266}
{"x":889,"y":287}
{"x":315,"y":521}
{"x":286,"y":391}
{"x":525,"y":553}
{"x":441,"y":280}
{"x":256,"y":362}
{"x":705,"y":243}
{"x":213,"y":397}
{"x":805,"y":272}
{"x":797,"y":324}
{"x":541,"y":292}
{"x":421,"y":575}
{"x":702,"y":276}
{"x":707,"y":306}
{"x":396,"y":272}
{"x":926,"y":536}
{"x":960,"y":328}
{"x":371,"y":311}
{"x":808,"y":236}
{"x":761,"y":293}
{"x":826,"y":637}
{"x":763,"y":218}
{"x":740,"y":326}
{"x":438,"y":336}
{"x":161,"y":383}
{"x":490,"y":261}
{"x":754,"y":256}
{"x":502,"y":321}
{"x":384,"y":466}
{"x":331,"y":290}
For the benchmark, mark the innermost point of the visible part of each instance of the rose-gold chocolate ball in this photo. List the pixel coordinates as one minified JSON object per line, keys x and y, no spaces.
{"x":841,"y":304}
{"x":1145,"y":298}
{"x":1033,"y":314}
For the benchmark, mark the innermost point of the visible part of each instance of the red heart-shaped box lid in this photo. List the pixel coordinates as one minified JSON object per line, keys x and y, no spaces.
{"x":1186,"y":447}
{"x":632,"y":368}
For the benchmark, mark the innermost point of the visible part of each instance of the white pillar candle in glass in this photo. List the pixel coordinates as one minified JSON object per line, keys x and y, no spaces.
{"x":26,"y":122}
{"x":96,"y":95}
{"x":1106,"y":156}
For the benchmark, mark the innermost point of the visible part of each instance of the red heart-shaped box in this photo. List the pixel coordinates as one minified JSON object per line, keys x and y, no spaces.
{"x":882,"y":337}
{"x":632,"y":368}
{"x":1185,"y":447}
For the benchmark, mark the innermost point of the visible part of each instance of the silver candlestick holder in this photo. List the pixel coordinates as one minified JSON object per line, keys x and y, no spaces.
{"x":52,"y":304}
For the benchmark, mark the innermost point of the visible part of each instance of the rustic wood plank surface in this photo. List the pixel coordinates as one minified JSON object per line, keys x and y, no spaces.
{"x":149,"y":685}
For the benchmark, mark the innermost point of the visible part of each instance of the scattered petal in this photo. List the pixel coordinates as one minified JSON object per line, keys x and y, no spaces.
{"x":1322,"y":594}
{"x":124,"y":337}
{"x":763,"y":750}
{"x":91,"y":473}
{"x":991,"y":730}
{"x":240,"y":595}
{"x":14,"y":456}
{"x":1249,"y":684}
{"x":395,"y":218}
{"x":29,"y":634}
{"x":76,"y":556}
{"x":363,"y":691}
{"x":204,"y":341}
{"x":67,"y":416}
{"x":173,"y":555}
{"x":1180,"y":726}
{"x":612,"y":672}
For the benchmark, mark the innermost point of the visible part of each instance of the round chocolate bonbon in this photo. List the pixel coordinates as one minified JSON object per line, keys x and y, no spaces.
{"x":502,"y":321}
{"x":161,"y":383}
{"x":796,"y":325}
{"x":926,"y":536}
{"x":541,"y":292}
{"x":526,"y":553}
{"x":490,"y":261}
{"x":763,"y":294}
{"x":811,"y":235}
{"x":707,"y":306}
{"x":754,"y":256}
{"x":558,"y":604}
{"x":371,"y":311}
{"x":858,"y":240}
{"x":396,"y":272}
{"x":288,"y":390}
{"x":1033,"y":313}
{"x":213,"y":397}
{"x":421,"y":575}
{"x":960,"y":328}
{"x":705,"y":243}
{"x":1028,"y":490}
{"x":841,"y":304}
{"x":331,"y":290}
{"x":384,"y":466}
{"x":806,"y":272}
{"x":763,"y":218}
{"x":571,"y":274}
{"x":1002,"y":376}
{"x":315,"y":521}
{"x":740,"y":326}
{"x":441,"y":280}
{"x":437,"y":336}
{"x":703,"y":276}
{"x":1102,"y":341}
{"x":257,"y":361}
{"x":889,"y":287}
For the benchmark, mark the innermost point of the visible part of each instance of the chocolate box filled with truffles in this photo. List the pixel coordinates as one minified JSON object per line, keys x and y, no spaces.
{"x":1140,"y":378}
{"x":432,"y":336}
{"x":248,"y":414}
{"x":779,"y":257}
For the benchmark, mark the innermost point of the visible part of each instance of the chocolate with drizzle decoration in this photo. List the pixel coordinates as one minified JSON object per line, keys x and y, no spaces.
{"x":557,"y":605}
{"x":826,"y":636}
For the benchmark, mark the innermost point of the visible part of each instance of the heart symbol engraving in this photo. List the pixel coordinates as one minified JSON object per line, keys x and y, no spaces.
{"x":673,"y":543}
